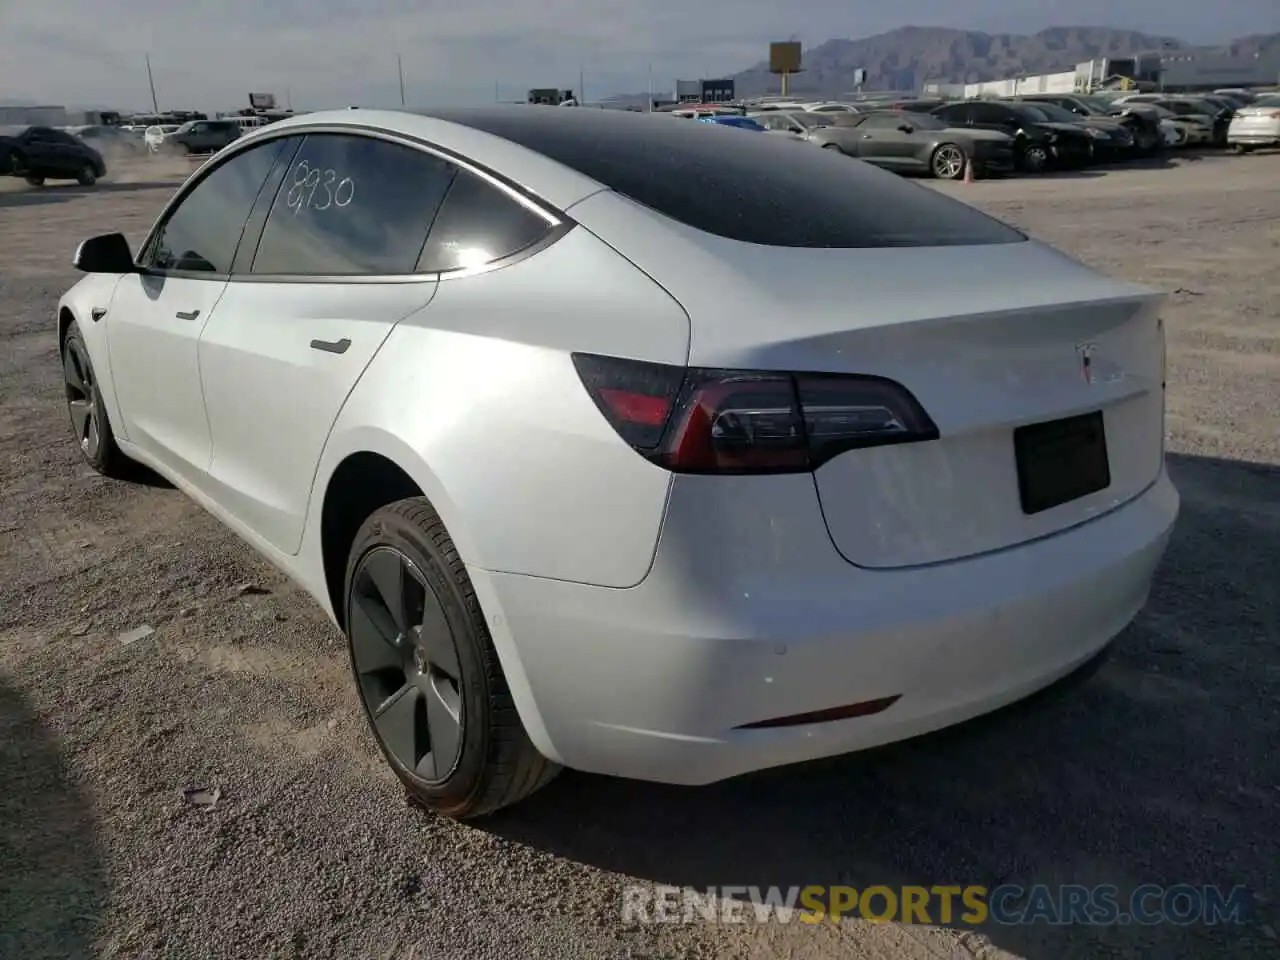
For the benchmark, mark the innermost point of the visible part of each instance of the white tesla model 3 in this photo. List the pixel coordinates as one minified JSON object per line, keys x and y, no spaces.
{"x":644,"y":448}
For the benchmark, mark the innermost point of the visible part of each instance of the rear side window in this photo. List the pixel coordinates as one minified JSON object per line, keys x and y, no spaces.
{"x":478,"y":224}
{"x":760,"y":190}
{"x":352,"y":206}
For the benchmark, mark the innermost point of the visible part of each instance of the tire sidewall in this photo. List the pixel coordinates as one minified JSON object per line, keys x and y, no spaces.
{"x":384,"y":529}
{"x":106,"y":439}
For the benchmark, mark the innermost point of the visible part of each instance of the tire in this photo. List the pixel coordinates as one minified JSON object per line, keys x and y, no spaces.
{"x":87,"y":176}
{"x":88,"y":413}
{"x":1242,"y":148}
{"x":832,"y":146}
{"x":34,"y":180}
{"x":437,"y":687}
{"x":1035,"y":158}
{"x":948,"y":162}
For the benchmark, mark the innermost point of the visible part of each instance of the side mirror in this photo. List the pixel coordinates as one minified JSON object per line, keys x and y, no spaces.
{"x":906,"y":128}
{"x":108,"y":253}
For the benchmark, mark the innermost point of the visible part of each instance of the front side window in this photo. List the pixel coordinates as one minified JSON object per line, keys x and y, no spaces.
{"x":352,"y":206}
{"x":478,"y":224}
{"x":201,"y":234}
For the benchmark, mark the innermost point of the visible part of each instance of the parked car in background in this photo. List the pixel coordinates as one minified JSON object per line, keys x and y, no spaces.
{"x":1111,"y":139}
{"x":110,"y":139}
{"x":1143,"y":126}
{"x":202,"y":136}
{"x":1257,"y":125}
{"x":1194,"y":110}
{"x":797,"y":123}
{"x":741,"y":123}
{"x":1039,"y":143}
{"x":153,"y":137}
{"x":831,"y":107}
{"x":917,"y":143}
{"x":38,"y":154}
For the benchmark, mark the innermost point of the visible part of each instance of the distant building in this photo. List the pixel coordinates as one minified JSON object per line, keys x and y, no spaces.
{"x":704,"y":91}
{"x":1173,"y":71}
{"x":33,"y":117}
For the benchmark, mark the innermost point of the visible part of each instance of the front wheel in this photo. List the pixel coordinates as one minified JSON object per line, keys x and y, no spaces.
{"x":35,"y":181}
{"x":428,"y":675}
{"x":89,"y":423}
{"x":87,"y":176}
{"x":1243,"y":148}
{"x":948,"y":162}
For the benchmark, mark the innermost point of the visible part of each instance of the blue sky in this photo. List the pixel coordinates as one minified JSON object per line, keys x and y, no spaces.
{"x":336,"y":52}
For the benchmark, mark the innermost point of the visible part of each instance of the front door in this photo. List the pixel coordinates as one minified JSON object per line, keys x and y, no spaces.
{"x":158,"y":314}
{"x":880,"y":140}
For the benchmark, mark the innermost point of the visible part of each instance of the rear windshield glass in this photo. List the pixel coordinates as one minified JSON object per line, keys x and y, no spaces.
{"x":765,"y":190}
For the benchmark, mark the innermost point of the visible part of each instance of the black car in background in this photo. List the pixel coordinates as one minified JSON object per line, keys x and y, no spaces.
{"x":1111,"y":139}
{"x":1143,"y":125}
{"x":1039,"y":143}
{"x":43,"y":153}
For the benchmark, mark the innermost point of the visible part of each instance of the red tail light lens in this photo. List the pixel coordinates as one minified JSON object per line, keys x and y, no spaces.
{"x":738,"y":421}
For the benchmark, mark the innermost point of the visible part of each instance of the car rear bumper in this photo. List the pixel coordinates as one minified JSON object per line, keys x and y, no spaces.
{"x":656,"y":682}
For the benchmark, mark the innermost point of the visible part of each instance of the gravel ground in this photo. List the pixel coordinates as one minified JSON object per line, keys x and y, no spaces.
{"x":1158,"y":768}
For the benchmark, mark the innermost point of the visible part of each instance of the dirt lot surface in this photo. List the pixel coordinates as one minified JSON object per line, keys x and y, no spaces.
{"x":1161,"y":767}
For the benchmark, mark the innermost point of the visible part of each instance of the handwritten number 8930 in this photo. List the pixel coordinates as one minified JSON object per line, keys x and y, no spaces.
{"x":314,"y":188}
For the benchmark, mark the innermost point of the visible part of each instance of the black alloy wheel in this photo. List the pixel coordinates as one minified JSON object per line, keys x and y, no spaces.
{"x":428,"y":674}
{"x":406,"y":661}
{"x":89,"y":423}
{"x":82,"y":398}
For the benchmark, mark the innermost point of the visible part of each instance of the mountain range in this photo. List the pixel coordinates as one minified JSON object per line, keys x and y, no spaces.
{"x":906,"y":58}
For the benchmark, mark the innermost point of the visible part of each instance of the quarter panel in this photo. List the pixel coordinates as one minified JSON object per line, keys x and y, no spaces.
{"x":480,"y":390}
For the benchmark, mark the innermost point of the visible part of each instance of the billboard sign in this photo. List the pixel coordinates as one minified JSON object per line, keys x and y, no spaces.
{"x":262,"y":101}
{"x":784,"y":56}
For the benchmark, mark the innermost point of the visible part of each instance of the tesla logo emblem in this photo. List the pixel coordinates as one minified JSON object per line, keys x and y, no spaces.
{"x":1085,"y":352}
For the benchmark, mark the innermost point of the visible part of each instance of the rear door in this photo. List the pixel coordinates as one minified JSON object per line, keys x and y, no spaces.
{"x":334,"y":269}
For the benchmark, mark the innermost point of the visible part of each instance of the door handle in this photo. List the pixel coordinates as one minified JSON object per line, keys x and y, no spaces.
{"x":331,"y":346}
{"x":866,"y":136}
{"x":188,"y":314}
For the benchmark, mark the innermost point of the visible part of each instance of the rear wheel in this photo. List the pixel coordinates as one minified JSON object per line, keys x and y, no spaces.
{"x":1035,"y":158}
{"x":948,"y":162}
{"x":1243,"y":148}
{"x":831,"y":146}
{"x":428,"y":675}
{"x":89,"y":423}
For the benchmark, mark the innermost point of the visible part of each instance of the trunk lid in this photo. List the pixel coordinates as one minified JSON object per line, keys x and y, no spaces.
{"x":987,"y":338}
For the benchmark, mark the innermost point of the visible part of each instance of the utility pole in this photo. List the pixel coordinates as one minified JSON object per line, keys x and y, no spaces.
{"x":155,"y":106}
{"x":582,"y":91}
{"x":496,"y":97}
{"x":400,"y":70}
{"x":650,"y":108}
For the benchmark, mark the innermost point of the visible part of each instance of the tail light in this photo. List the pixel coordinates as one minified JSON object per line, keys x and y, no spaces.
{"x":696,"y":420}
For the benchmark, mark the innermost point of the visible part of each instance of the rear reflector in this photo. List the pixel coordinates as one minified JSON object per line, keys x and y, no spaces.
{"x":699,"y":420}
{"x":864,"y":709}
